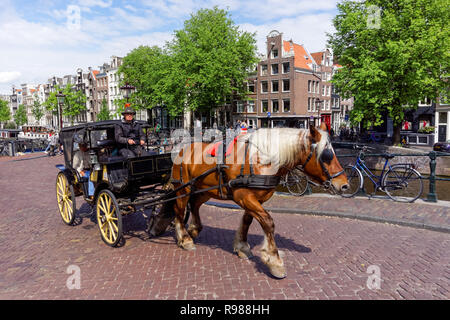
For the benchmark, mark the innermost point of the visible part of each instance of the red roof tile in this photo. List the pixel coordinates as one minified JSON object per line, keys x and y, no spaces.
{"x":301,"y":56}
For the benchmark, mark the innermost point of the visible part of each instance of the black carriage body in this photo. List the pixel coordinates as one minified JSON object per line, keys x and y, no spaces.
{"x":125,"y":177}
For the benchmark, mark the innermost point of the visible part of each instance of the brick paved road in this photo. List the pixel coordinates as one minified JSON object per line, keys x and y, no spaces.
{"x":326,"y":257}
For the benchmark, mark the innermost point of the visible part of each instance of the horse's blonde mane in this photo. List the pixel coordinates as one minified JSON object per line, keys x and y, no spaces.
{"x":281,"y":146}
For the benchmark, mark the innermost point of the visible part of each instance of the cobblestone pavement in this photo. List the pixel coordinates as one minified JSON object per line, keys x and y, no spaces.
{"x":325,"y":257}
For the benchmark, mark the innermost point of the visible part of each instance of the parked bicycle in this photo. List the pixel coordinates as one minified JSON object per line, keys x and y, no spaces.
{"x":401,"y":182}
{"x":296,"y":182}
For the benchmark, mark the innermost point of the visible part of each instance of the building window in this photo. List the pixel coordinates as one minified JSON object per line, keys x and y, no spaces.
{"x":309,"y":104}
{"x":275,"y":106}
{"x":264,"y":106}
{"x":275,"y":86}
{"x":286,"y":105}
{"x":286,"y":86}
{"x":425,"y":102}
{"x":309,"y":85}
{"x":251,"y":87}
{"x":264,"y":88}
{"x":264,"y":69}
{"x":318,"y":87}
{"x":240,"y":107}
{"x":274,"y":53}
{"x":251,"y":106}
{"x":275,"y":69}
{"x":286,"y":67}
{"x":324,"y":88}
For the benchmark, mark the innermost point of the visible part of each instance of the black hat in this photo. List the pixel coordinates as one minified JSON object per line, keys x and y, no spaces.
{"x":129,"y":110}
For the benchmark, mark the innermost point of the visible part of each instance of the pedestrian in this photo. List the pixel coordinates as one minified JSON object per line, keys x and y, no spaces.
{"x":81,"y":163}
{"x":53,"y":144}
{"x":49,"y":141}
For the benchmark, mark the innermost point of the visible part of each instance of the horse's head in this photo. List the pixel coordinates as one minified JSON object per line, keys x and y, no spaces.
{"x":321,"y":163}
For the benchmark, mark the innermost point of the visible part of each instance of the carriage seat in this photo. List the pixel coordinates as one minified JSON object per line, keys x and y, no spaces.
{"x":215,"y":148}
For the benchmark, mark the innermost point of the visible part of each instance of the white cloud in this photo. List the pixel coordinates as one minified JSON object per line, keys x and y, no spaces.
{"x":32,"y":52}
{"x":95,"y":3}
{"x":309,"y":30}
{"x":8,"y":76}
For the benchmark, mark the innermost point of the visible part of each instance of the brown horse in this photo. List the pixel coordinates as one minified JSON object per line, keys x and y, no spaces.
{"x":272,"y":152}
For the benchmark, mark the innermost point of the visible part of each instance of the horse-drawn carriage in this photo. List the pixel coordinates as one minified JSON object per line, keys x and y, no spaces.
{"x":122,"y":185}
{"x":245,"y":169}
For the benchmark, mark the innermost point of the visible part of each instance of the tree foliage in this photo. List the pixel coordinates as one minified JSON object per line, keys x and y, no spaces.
{"x":37,"y":110}
{"x":393,"y":54}
{"x":5,"y":113}
{"x":104,"y":113}
{"x":20,"y":117}
{"x":74,"y":102}
{"x":206,"y":63}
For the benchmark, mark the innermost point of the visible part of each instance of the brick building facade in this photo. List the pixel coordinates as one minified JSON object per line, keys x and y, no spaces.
{"x":291,"y":88}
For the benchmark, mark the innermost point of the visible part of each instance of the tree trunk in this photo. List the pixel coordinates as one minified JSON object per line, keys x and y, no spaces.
{"x":396,"y":135}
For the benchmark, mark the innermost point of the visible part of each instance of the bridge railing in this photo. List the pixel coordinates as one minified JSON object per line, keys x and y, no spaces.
{"x":433,"y":155}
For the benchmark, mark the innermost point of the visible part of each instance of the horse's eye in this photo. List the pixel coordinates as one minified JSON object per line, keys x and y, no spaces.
{"x":327,"y":156}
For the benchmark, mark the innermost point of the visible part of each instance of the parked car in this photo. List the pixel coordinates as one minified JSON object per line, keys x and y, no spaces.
{"x":442,"y":146}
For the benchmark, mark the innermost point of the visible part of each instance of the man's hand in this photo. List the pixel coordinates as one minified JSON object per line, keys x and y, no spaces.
{"x":142,"y":142}
{"x":131,"y":141}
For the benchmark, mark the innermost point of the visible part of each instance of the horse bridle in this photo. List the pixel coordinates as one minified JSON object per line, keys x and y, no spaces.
{"x":326,"y":156}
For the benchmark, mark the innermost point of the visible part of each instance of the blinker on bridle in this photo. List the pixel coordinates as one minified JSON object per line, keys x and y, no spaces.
{"x":326,"y":157}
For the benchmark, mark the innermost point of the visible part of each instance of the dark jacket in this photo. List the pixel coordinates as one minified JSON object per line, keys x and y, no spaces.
{"x":126,"y":131}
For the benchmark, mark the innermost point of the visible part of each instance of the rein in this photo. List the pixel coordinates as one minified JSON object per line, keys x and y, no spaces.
{"x":330,"y":177}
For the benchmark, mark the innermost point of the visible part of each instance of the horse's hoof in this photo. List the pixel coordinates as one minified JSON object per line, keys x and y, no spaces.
{"x":193,"y":233}
{"x":244,"y":254}
{"x":188,"y":246}
{"x":278,"y":272}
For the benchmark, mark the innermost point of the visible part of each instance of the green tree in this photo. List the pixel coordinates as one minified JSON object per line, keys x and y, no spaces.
{"x":10,"y":125}
{"x":104,"y":113}
{"x":74,"y":102}
{"x":393,"y":52}
{"x":5,"y":113}
{"x":206,"y":63}
{"x":211,"y":59}
{"x":20,"y":117}
{"x":37,"y":110}
{"x":144,"y":68}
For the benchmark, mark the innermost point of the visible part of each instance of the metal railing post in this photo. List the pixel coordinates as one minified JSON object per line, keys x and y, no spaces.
{"x":432,"y":196}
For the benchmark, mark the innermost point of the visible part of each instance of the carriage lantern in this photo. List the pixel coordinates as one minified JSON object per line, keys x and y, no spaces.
{"x":127,"y":90}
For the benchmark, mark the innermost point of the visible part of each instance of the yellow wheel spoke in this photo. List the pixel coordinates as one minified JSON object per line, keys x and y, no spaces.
{"x":103,"y":205}
{"x":114,"y":226}
{"x":113,"y":234}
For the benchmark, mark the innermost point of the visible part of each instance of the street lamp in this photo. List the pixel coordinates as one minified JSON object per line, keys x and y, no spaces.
{"x":60,"y":97}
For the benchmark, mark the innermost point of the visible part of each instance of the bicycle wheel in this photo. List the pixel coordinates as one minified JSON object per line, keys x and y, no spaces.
{"x":402,"y":184}
{"x":296,"y":182}
{"x":355,"y":181}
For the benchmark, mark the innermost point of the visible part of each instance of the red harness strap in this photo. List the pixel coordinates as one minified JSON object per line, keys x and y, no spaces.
{"x":213,"y":151}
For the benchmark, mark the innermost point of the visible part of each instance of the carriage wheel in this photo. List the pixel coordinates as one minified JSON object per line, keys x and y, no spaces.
{"x":109,"y":218}
{"x":65,"y":196}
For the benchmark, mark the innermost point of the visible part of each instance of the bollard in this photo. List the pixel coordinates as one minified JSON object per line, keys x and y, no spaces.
{"x":432,"y":197}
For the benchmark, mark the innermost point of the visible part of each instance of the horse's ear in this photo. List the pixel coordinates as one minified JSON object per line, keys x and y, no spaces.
{"x":315,"y":134}
{"x":323,"y":126}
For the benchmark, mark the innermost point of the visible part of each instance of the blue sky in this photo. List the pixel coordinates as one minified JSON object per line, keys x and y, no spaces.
{"x":43,"y":38}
